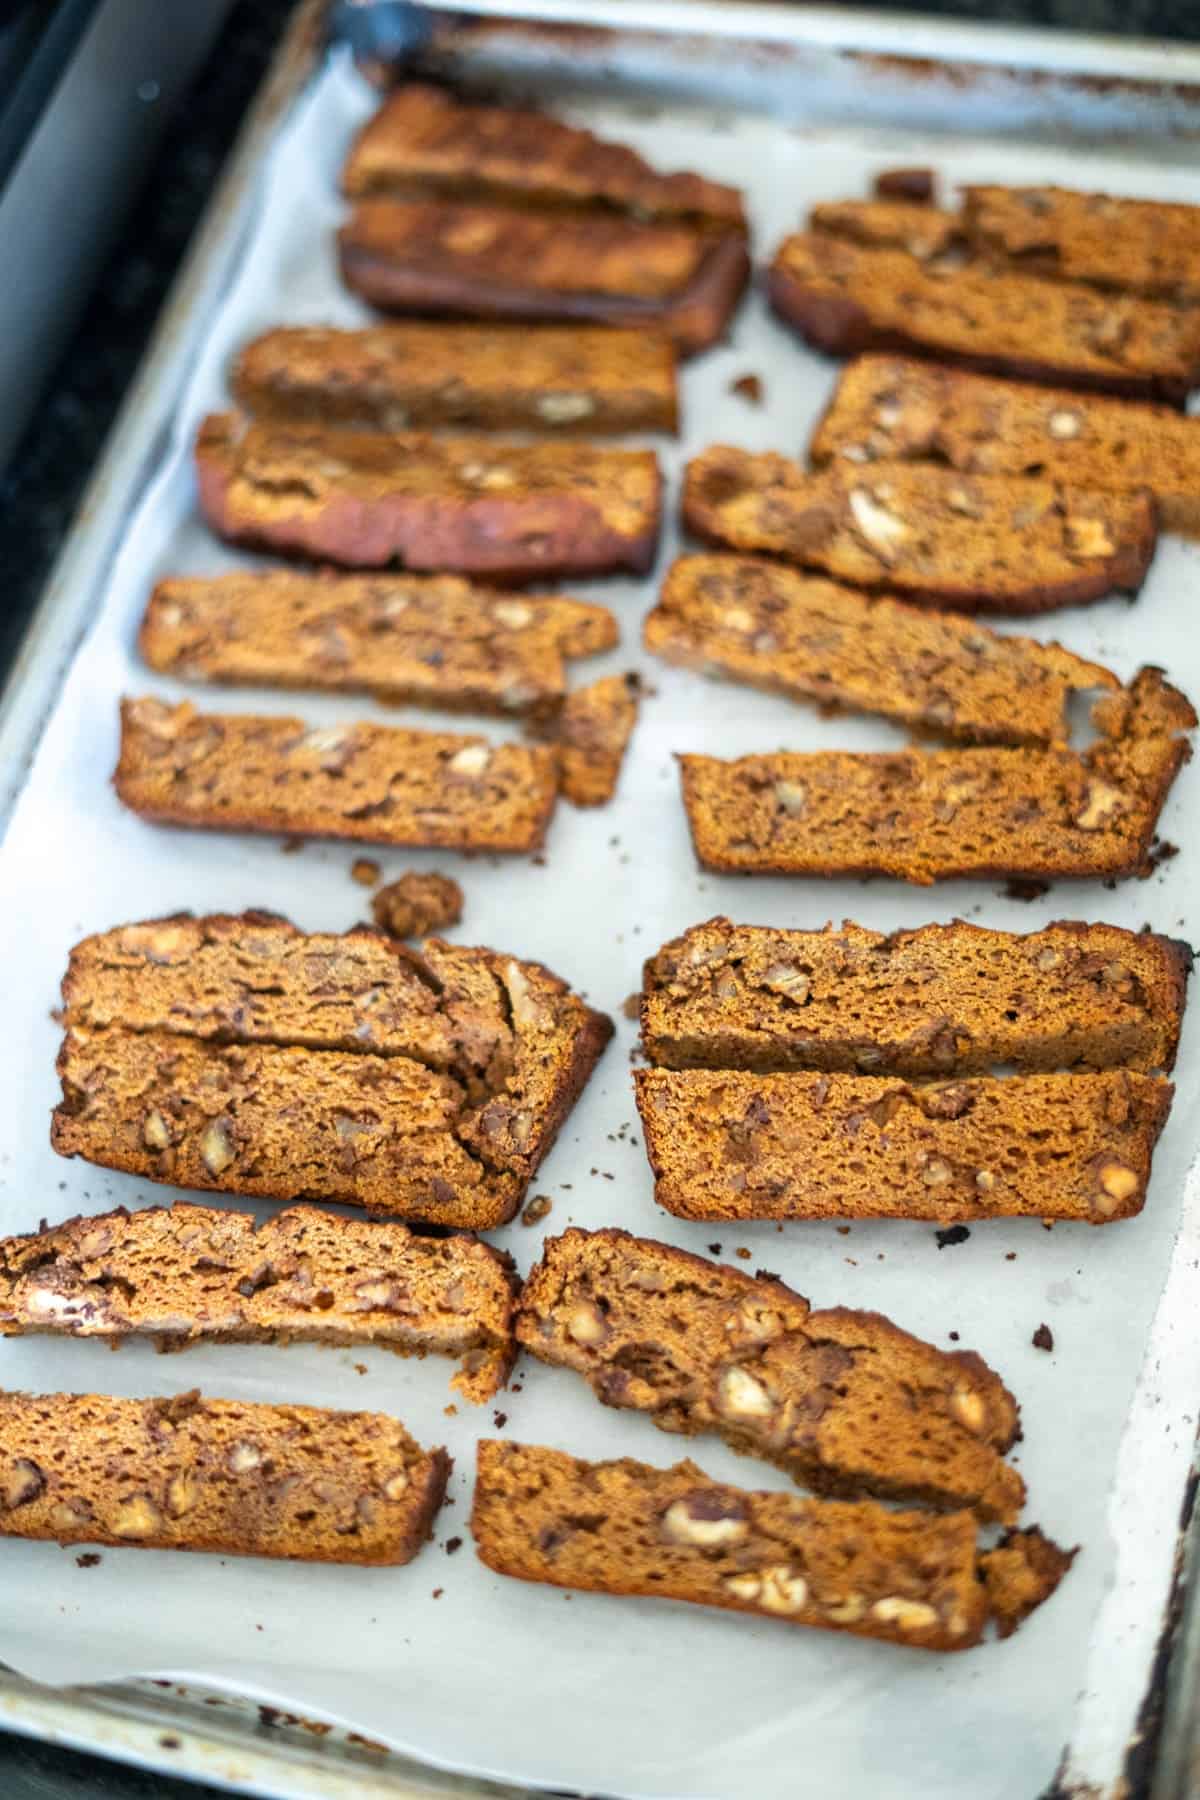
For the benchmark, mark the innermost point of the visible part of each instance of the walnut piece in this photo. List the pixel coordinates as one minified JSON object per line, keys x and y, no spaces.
{"x":586,"y":1325}
{"x":884,"y":531}
{"x":183,"y":1491}
{"x":740,"y":1396}
{"x":22,"y":1482}
{"x":1101,"y":805}
{"x":909,"y":1615}
{"x":216,"y":1147}
{"x":685,"y":1522}
{"x":137,"y":1517}
{"x":783,"y":1591}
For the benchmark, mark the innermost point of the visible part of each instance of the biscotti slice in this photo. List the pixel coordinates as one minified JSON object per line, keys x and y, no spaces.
{"x":843,"y":298}
{"x":1020,"y":1573}
{"x":972,"y":543}
{"x":926,"y":816}
{"x":467,"y":506}
{"x":242,"y":772}
{"x":1147,"y":247}
{"x":624,"y":1527}
{"x":942,"y":1000}
{"x":187,"y":1275}
{"x":425,"y":140}
{"x":897,"y":407}
{"x":735,"y":1145}
{"x":230,"y":1476}
{"x":845,"y":1402}
{"x":486,"y":262}
{"x":431,"y":640}
{"x":888,"y":223}
{"x":592,"y":733}
{"x":482,"y":377}
{"x":811,"y":639}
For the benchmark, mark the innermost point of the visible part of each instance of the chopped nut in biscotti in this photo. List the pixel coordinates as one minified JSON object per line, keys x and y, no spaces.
{"x":592,"y":733}
{"x":415,"y":904}
{"x":827,"y":1396}
{"x":1149,"y":247}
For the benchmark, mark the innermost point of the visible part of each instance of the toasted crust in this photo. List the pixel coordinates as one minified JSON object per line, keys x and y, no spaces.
{"x":941,"y":1000}
{"x":844,"y":298}
{"x":827,"y":1396}
{"x":185,"y":1275}
{"x":458,"y":505}
{"x":1149,"y":247}
{"x":481,"y":377}
{"x":1020,"y":1573}
{"x":979,"y":543}
{"x":592,"y":733}
{"x":811,"y":639}
{"x":736,"y":1145}
{"x":218,"y":1475}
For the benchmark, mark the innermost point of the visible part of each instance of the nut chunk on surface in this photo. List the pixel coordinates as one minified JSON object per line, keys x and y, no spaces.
{"x":828,"y":1396}
{"x":592,"y":733}
{"x":223,"y":1475}
{"x":186,"y":1275}
{"x":624,"y":1527}
{"x":415,"y":904}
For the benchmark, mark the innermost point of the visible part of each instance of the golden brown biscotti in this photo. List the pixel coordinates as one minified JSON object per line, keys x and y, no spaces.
{"x":624,"y":1527}
{"x":481,"y":377}
{"x":244,"y":772}
{"x":185,"y":1275}
{"x":956,"y":999}
{"x":890,"y":223}
{"x":425,"y":140}
{"x":464,"y":506}
{"x":894,"y":407}
{"x":772,"y":627}
{"x":926,"y":816}
{"x":1149,"y":247}
{"x":431,"y":640}
{"x":486,"y":262}
{"x":1020,"y":1573}
{"x":845,"y":1402}
{"x":416,"y":903}
{"x":970,"y":543}
{"x":592,"y":733}
{"x":735,"y":1145}
{"x":843,"y":298}
{"x":230,"y":1476}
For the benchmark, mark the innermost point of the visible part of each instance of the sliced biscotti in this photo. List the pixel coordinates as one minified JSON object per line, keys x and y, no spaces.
{"x":466,"y":506}
{"x":487,"y":262}
{"x":843,"y":297}
{"x":481,"y":377}
{"x":796,"y":634}
{"x":730,"y":1144}
{"x":973,"y":543}
{"x":956,"y":999}
{"x":890,"y":223}
{"x":244,"y":772}
{"x":431,"y":640}
{"x":185,"y":1275}
{"x":894,"y":407}
{"x":426,"y":140}
{"x":230,"y":1476}
{"x":592,"y":733}
{"x":1149,"y":247}
{"x":845,"y":1402}
{"x":926,"y":816}
{"x":624,"y":1527}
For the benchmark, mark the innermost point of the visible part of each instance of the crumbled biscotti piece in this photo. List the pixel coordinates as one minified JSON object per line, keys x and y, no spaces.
{"x":185,"y":1275}
{"x":467,"y":506}
{"x":914,"y":184}
{"x":845,"y":1402}
{"x":416,"y":903}
{"x":888,"y":223}
{"x":624,"y":1527}
{"x":973,"y":543}
{"x":425,"y":140}
{"x":897,"y":407}
{"x":926,"y":816}
{"x":1147,"y":247}
{"x":843,"y":298}
{"x":243,"y":772}
{"x":489,"y":262}
{"x":230,"y":1476}
{"x":592,"y":733}
{"x":737,"y":1145}
{"x":1023,"y":1570}
{"x":811,"y":639}
{"x":431,"y":640}
{"x":481,"y":377}
{"x":942,"y":1000}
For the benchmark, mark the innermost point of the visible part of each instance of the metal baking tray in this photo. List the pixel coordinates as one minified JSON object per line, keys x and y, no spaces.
{"x":840,"y":71}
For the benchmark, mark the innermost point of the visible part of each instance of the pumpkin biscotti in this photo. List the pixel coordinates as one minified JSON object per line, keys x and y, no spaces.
{"x":592,"y":734}
{"x":1149,"y":247}
{"x":185,"y":1275}
{"x":972,"y":543}
{"x":772,"y":627}
{"x":377,"y":783}
{"x":465,"y":506}
{"x":926,"y":816}
{"x":230,"y":1476}
{"x":845,"y":1402}
{"x":890,"y":223}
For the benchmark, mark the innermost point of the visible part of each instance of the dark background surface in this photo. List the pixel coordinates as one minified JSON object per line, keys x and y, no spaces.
{"x":41,"y":489}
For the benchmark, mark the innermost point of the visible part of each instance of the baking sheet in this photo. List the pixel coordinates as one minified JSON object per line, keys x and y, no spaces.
{"x":631,"y":1698}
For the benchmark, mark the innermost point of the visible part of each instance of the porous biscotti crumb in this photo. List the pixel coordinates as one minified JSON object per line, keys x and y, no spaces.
{"x":417,"y":903}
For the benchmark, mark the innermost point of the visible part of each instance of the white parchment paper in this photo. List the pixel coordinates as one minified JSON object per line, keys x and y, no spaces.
{"x":442,"y":1658}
